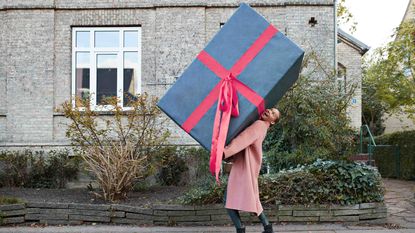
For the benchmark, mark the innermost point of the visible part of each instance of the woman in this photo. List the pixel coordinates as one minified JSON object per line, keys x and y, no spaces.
{"x":245,"y":151}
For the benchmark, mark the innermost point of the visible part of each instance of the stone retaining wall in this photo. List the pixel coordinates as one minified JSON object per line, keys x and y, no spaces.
{"x":73,"y":214}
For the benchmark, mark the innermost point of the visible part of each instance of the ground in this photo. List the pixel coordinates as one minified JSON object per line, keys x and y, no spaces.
{"x":399,"y":199}
{"x":160,"y":194}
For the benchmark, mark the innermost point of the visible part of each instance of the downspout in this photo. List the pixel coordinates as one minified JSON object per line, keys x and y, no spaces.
{"x":335,"y":36}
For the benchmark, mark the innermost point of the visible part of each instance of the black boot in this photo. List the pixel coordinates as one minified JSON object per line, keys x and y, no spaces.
{"x":268,"y":229}
{"x":240,"y":230}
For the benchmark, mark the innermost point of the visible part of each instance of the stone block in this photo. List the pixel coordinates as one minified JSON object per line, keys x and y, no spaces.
{"x":118,"y":214}
{"x":59,"y":222}
{"x":54,"y":216}
{"x":371,"y":205}
{"x":190,"y":218}
{"x":366,"y":211}
{"x":174,"y":213}
{"x":172,"y":207}
{"x":13,"y":212}
{"x":89,"y":218}
{"x":372,"y":216}
{"x":297,"y":219}
{"x":12,"y":220}
{"x":310,"y":213}
{"x":33,"y":210}
{"x":130,"y":221}
{"x":132,"y":209}
{"x":344,"y":207}
{"x":220,"y":217}
{"x":54,"y":211}
{"x":12,"y":207}
{"x":345,"y":212}
{"x":47,"y":205}
{"x":350,"y":218}
{"x":89,"y":206}
{"x":160,"y":218}
{"x":210,"y":207}
{"x":303,"y":207}
{"x":211,"y":212}
{"x":138,"y":216}
{"x":284,"y":213}
{"x":380,"y":210}
{"x":90,"y":212}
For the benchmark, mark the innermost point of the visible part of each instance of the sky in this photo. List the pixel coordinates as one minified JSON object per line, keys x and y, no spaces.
{"x":376,"y":19}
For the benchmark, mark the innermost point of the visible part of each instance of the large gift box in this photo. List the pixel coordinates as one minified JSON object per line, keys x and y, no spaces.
{"x":245,"y":68}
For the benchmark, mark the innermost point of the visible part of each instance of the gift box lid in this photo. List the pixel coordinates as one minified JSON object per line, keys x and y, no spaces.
{"x":259,"y":56}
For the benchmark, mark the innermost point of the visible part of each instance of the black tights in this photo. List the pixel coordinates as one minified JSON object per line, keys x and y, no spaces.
{"x":236,"y":218}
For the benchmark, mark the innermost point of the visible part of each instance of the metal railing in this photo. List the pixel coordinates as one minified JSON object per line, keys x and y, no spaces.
{"x":371,"y":146}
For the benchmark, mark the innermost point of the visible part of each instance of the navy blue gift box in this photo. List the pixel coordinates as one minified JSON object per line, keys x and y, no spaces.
{"x":261,"y":62}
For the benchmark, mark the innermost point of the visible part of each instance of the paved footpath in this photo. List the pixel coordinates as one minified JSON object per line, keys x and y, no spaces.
{"x":400,"y":201}
{"x":318,"y":228}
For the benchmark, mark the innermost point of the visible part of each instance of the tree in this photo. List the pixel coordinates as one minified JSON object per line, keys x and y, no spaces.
{"x":344,"y":16}
{"x":120,"y":148}
{"x":372,"y":108}
{"x":314,"y":121}
{"x":391,"y":71}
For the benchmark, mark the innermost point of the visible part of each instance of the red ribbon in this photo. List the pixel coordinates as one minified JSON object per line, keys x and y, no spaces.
{"x":226,"y":94}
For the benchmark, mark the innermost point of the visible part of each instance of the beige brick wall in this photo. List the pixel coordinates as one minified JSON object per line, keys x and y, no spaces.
{"x":352,"y":60}
{"x":36,"y":38}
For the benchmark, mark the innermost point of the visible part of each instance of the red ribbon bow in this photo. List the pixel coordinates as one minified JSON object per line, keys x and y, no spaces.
{"x":226,"y":94}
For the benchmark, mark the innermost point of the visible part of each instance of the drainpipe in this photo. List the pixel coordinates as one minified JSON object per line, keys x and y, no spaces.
{"x":335,"y":36}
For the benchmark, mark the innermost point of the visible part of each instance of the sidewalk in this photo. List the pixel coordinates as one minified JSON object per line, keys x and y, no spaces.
{"x":320,"y":228}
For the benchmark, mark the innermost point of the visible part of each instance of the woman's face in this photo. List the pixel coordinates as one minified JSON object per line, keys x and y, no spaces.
{"x":271,"y":115}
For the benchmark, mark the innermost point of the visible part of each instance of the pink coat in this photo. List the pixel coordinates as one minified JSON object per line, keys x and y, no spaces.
{"x":246,"y":148}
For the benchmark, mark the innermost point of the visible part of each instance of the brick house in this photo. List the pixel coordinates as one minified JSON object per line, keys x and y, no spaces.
{"x":52,"y":49}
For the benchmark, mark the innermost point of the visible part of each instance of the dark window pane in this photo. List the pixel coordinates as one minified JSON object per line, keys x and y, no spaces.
{"x":82,"y":84}
{"x":106,"y":84}
{"x":129,"y":94}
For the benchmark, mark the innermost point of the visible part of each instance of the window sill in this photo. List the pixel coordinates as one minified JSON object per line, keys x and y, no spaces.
{"x":100,"y":113}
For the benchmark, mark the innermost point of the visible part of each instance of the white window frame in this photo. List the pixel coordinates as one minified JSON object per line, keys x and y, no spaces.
{"x":93,"y":52}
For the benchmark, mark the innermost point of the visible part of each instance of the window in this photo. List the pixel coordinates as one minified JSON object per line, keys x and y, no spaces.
{"x":341,"y":78}
{"x":106,"y":62}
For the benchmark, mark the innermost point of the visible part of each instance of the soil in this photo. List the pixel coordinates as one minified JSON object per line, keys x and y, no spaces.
{"x":153,"y":195}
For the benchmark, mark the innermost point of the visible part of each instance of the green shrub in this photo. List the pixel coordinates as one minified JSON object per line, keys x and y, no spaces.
{"x":322,"y":182}
{"x":280,"y":160}
{"x":172,"y":165}
{"x":206,"y":192}
{"x":385,"y":157}
{"x":37,"y":169}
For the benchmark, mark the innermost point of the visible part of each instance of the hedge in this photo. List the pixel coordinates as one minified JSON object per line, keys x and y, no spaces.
{"x":385,"y":158}
{"x":322,"y":182}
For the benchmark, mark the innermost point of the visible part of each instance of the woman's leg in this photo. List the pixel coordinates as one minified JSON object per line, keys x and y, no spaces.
{"x":263,"y":219}
{"x":234,"y":214}
{"x":236,"y":219}
{"x":265,"y":223}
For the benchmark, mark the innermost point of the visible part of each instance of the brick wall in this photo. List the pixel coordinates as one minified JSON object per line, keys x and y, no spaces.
{"x":37,"y":42}
{"x":352,"y":60}
{"x":29,"y":70}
